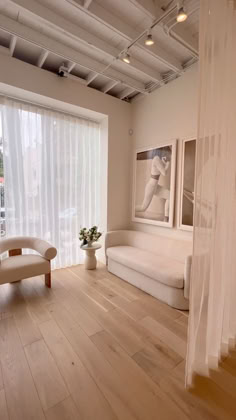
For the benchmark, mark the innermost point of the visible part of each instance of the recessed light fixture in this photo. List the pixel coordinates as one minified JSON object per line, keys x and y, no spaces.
{"x":126,"y":58}
{"x":181,"y":15}
{"x":149,"y":40}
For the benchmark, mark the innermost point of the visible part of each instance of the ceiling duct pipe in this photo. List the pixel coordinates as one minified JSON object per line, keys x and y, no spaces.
{"x":173,"y":35}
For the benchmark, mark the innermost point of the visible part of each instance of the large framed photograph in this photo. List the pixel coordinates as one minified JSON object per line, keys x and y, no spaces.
{"x":154,"y":184}
{"x":185,"y":219}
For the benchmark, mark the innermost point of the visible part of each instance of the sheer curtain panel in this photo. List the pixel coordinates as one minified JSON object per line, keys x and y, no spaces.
{"x":212,"y":328}
{"x":52,"y":176}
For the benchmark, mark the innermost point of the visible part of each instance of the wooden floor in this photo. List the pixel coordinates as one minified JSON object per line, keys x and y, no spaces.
{"x":96,"y":348}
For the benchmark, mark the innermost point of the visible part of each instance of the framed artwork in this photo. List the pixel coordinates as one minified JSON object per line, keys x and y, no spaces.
{"x":187,"y":184}
{"x":154,"y":184}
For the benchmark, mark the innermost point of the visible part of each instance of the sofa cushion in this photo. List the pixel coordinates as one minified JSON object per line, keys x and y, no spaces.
{"x":22,"y":266}
{"x":161,"y":268}
{"x":157,"y":244}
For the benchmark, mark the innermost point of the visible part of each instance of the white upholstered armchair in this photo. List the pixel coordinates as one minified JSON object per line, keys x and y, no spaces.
{"x":18,"y":267}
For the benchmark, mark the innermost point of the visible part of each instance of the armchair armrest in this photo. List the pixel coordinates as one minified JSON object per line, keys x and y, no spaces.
{"x":42,"y":247}
{"x":187,"y":276}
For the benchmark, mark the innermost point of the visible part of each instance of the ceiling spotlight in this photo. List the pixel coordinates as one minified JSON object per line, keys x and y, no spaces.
{"x":126,"y":58}
{"x":149,"y":40}
{"x":181,"y":15}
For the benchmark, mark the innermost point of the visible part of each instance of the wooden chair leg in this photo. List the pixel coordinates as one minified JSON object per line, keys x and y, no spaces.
{"x":48,"y":280}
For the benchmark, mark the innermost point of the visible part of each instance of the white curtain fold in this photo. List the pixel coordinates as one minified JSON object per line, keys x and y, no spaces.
{"x":212,"y":324}
{"x":52,"y":176}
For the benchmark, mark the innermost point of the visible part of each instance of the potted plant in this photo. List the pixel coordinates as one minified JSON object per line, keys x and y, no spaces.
{"x":88,"y":236}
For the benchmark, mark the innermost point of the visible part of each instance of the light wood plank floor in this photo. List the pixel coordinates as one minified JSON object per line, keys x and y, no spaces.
{"x":96,"y":348}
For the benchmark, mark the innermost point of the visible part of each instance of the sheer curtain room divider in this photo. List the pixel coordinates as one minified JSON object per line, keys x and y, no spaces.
{"x":51,"y":176}
{"x":212,"y":325}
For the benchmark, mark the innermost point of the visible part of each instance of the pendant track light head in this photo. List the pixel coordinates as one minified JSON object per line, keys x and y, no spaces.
{"x":149,"y":40}
{"x":126,"y":57}
{"x":181,"y":15}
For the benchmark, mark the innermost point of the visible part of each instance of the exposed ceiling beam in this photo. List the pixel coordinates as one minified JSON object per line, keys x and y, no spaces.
{"x":87,"y":3}
{"x":42,"y":58}
{"x":12,"y":44}
{"x":71,"y":66}
{"x":152,"y":9}
{"x":92,"y":75}
{"x":126,"y":92}
{"x":59,"y":23}
{"x":67,"y":53}
{"x":128,"y":33}
{"x":108,"y":86}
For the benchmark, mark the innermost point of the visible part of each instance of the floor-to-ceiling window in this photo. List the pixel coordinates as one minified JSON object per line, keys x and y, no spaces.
{"x":50,"y":176}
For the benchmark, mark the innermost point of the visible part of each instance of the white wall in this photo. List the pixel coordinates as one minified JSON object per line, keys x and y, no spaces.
{"x":168,"y":113}
{"x":32,"y":79}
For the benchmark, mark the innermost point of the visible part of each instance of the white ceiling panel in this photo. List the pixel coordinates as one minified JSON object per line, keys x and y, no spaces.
{"x":80,"y":71}
{"x":99,"y":82}
{"x":26,"y":52}
{"x":53,"y":62}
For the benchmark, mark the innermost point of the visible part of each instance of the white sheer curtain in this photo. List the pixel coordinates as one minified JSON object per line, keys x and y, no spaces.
{"x":212,"y":328}
{"x":51,"y":174}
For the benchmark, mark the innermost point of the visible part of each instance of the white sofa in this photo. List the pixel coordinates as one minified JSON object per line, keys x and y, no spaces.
{"x":18,"y":267}
{"x":156,"y":264}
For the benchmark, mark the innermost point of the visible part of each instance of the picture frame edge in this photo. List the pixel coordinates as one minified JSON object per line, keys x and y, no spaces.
{"x":181,"y":226}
